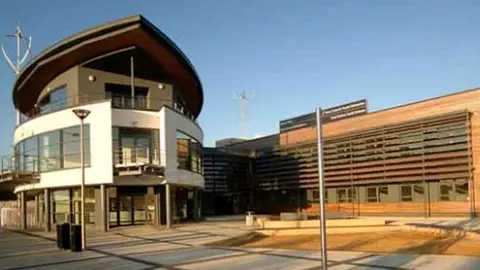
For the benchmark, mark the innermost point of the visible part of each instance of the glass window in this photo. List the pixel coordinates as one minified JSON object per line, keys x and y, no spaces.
{"x":71,"y":146}
{"x":406,"y":193}
{"x":345,"y":195}
{"x":189,"y":153}
{"x":372,"y":194}
{"x":446,"y":187}
{"x":19,"y":158}
{"x":383,"y":193}
{"x":50,"y":151}
{"x":30,"y":154}
{"x":53,"y":150}
{"x":155,"y":147}
{"x":89,"y":205}
{"x":54,"y":101}
{"x":461,"y":190}
{"x":61,"y":206}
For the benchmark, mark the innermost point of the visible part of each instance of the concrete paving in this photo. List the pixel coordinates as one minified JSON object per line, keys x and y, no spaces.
{"x":182,"y":248}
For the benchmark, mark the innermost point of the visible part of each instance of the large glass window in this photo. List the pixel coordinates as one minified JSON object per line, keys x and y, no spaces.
{"x":189,"y":153}
{"x":54,"y":101}
{"x":54,"y":150}
{"x":89,"y":205}
{"x":30,"y":154}
{"x":71,"y":146}
{"x":50,"y":151}
{"x":61,"y":206}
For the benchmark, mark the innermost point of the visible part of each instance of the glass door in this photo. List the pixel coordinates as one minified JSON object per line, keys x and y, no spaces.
{"x":125,"y":207}
{"x":139,"y":211}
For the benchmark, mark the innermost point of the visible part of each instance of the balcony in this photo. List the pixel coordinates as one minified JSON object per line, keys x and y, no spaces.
{"x":23,"y":170}
{"x":138,"y":160}
{"x":120,"y":102}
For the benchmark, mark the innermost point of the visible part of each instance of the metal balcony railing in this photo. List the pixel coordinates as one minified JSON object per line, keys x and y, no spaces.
{"x":21,"y":168}
{"x":118,"y":101}
{"x":135,"y":156}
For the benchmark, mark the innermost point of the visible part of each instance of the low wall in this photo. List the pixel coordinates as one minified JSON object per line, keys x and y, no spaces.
{"x":290,"y":224}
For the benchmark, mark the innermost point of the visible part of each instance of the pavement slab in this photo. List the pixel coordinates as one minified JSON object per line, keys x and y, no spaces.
{"x":182,"y":248}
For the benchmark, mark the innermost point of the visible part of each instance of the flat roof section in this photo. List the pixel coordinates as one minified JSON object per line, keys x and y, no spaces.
{"x":103,"y":39}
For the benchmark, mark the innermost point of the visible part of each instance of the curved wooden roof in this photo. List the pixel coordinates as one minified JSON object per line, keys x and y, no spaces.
{"x":100,"y":40}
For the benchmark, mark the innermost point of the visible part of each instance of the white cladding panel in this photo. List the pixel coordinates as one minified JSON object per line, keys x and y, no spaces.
{"x":173,"y":122}
{"x":100,"y":122}
{"x":135,"y":118}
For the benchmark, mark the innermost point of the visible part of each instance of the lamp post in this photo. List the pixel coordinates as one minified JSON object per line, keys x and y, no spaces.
{"x":82,"y":114}
{"x":321,"y":187}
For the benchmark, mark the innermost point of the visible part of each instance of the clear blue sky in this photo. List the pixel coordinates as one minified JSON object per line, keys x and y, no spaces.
{"x":292,"y":55}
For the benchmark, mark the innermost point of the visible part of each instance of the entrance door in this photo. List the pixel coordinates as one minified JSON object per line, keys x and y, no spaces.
{"x":127,"y":210}
{"x":139,"y":210}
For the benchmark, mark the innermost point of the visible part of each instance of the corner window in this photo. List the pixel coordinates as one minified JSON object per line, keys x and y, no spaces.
{"x":54,"y":150}
{"x":189,"y":153}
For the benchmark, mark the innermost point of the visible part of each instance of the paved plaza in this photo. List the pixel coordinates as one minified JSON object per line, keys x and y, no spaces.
{"x":182,"y":248}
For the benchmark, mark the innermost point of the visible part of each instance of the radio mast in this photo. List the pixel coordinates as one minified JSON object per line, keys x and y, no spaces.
{"x":243,"y":98}
{"x":16,"y":67}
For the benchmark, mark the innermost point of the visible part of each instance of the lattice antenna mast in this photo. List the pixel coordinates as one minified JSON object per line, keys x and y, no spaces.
{"x":243,"y":98}
{"x":20,"y":39}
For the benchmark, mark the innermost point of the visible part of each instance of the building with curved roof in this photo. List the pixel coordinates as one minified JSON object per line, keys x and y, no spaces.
{"x":142,"y":144}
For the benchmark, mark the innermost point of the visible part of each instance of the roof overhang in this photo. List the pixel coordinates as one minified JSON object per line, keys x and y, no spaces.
{"x":101,"y":40}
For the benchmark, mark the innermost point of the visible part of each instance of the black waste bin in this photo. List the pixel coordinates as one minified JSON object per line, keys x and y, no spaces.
{"x":63,"y":236}
{"x":76,"y":238}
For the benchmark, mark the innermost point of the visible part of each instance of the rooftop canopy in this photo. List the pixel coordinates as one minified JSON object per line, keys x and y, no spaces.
{"x":108,"y":47}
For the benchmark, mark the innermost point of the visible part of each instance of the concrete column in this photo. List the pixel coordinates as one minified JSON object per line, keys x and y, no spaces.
{"x":195,"y":205}
{"x":107,"y":208}
{"x":46,"y":214}
{"x":100,"y":209}
{"x":103,"y":206}
{"x":37,"y":209}
{"x":23,"y":210}
{"x":168,"y":210}
{"x":158,"y":210}
{"x":200,"y":198}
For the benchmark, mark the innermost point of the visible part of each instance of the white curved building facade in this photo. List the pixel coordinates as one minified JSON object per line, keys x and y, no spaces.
{"x":142,"y":144}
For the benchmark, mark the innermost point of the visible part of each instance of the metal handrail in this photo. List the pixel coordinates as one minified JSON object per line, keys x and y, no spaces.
{"x":135,"y":155}
{"x":118,"y":101}
{"x":10,"y":165}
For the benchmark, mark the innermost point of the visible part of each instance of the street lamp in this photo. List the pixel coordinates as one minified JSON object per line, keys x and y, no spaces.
{"x":82,"y":114}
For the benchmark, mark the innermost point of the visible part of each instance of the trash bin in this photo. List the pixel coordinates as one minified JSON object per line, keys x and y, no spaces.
{"x":63,"y":236}
{"x":76,"y":238}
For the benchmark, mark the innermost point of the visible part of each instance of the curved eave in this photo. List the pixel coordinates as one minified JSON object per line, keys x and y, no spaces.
{"x":100,"y":40}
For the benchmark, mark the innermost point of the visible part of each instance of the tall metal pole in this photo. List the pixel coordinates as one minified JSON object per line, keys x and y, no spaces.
{"x":82,"y":188}
{"x":19,"y":38}
{"x":321,"y":186}
{"x":168,"y":210}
